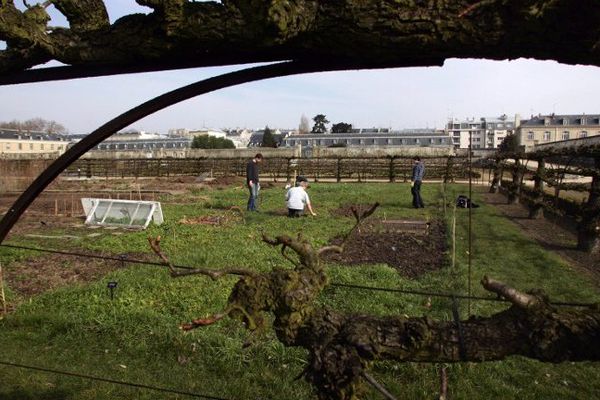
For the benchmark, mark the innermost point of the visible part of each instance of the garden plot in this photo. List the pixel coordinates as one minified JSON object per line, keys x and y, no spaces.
{"x":412,"y":247}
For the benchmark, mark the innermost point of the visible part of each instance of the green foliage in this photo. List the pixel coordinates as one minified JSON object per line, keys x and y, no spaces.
{"x":510,"y":144}
{"x":320,"y":124}
{"x":268,"y":138}
{"x":341,"y":127}
{"x":135,"y":337}
{"x":211,"y":142}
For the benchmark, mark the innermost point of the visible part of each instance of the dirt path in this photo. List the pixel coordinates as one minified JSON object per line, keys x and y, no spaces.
{"x":550,"y":235}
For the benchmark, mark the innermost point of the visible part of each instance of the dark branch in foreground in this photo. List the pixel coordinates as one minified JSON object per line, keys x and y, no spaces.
{"x":370,"y":33}
{"x":342,"y":346}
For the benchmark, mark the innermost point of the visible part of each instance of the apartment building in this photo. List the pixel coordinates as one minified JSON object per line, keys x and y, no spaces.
{"x":14,"y":141}
{"x":485,"y":132}
{"x":552,"y":128}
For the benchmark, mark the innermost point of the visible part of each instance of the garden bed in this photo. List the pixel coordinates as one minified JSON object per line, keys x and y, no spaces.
{"x":411,"y":253}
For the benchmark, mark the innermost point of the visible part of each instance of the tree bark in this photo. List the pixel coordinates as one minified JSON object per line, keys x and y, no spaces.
{"x":355,"y":32}
{"x":536,"y":207}
{"x":588,"y":238}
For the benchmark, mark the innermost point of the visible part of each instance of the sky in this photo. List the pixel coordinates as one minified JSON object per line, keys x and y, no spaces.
{"x":401,"y":98}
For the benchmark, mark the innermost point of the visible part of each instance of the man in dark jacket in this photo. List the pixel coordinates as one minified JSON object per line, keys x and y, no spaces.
{"x":418,"y":172}
{"x":252,"y":172}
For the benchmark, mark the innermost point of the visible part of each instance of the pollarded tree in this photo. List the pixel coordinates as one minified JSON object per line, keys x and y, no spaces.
{"x":342,"y":347}
{"x":320,"y":124}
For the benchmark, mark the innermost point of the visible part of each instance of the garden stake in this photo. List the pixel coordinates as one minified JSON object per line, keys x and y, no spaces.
{"x":2,"y":296}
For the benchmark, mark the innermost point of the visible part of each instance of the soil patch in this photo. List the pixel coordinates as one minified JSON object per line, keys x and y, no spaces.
{"x":552,"y":236}
{"x":50,"y":271}
{"x":346,"y":210}
{"x":411,"y":254}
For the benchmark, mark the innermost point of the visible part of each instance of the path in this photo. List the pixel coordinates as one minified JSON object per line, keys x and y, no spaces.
{"x":550,"y":235}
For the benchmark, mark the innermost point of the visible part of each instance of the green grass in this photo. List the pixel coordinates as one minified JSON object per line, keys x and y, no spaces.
{"x":135,"y":337}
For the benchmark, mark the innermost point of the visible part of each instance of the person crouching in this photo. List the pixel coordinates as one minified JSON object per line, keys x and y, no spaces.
{"x":297,"y":198}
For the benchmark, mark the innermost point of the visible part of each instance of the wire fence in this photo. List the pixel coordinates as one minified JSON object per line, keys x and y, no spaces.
{"x":109,"y":380}
{"x":426,"y":293}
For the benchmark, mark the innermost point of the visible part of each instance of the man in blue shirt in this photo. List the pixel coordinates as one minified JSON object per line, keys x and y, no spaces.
{"x":418,"y":172}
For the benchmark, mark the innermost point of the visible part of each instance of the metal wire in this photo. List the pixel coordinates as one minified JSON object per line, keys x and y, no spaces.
{"x":108,"y":380}
{"x":333,"y":284}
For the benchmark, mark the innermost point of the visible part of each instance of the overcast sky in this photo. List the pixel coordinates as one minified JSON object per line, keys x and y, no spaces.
{"x":396,"y":98}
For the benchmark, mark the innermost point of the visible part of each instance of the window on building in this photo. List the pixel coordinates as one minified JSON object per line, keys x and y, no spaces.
{"x":52,"y":147}
{"x":547,"y":135}
{"x":565,"y":121}
{"x":583,"y":134}
{"x":20,"y":146}
{"x":7,"y":146}
{"x":565,"y":135}
{"x":30,"y":146}
{"x":530,"y":135}
{"x":42,"y":146}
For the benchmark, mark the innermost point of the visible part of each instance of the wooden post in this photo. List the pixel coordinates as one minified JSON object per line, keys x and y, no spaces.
{"x":454,"y":236}
{"x":392,"y":177}
{"x":2,"y":296}
{"x":536,"y":209}
{"x":339,"y":170}
{"x":55,"y":206}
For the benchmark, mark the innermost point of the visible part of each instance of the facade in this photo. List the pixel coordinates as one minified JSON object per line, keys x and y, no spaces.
{"x":145,"y":144}
{"x":542,"y":129}
{"x":190,"y":133}
{"x":21,"y":142}
{"x":487,"y":132}
{"x":138,"y":135}
{"x":373,"y":138}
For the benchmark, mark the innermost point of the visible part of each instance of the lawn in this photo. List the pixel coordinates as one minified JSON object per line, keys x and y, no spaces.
{"x":135,"y":336}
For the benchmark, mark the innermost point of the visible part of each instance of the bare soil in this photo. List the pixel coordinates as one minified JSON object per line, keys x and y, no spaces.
{"x":411,"y":254}
{"x":38,"y":274}
{"x":560,"y":238}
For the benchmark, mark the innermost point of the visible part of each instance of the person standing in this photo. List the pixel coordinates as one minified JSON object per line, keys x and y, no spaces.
{"x":252,"y":181}
{"x":418,"y":172}
{"x":296,"y":199}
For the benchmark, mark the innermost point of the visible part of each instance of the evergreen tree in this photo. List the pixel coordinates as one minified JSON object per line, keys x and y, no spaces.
{"x":320,"y":122}
{"x":268,"y":138}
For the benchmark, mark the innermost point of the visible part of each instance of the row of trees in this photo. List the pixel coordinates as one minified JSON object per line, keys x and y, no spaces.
{"x":320,"y":125}
{"x":35,"y":125}
{"x":211,"y":142}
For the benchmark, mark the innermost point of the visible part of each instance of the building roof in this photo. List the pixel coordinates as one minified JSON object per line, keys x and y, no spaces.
{"x":404,"y":133}
{"x":31,"y":135}
{"x":567,"y":119}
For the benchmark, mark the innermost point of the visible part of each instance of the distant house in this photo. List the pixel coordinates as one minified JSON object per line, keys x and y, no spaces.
{"x":552,"y":128}
{"x":14,"y":141}
{"x":371,"y":137}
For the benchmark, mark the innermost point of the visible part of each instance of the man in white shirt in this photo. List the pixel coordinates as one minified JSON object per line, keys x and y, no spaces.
{"x":296,"y":198}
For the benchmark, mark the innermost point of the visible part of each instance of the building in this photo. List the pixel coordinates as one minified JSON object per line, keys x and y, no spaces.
{"x":14,"y":141}
{"x":485,"y":133}
{"x":145,"y":144}
{"x":133,"y":135}
{"x":191,"y":133}
{"x":371,"y":137}
{"x":552,"y":128}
